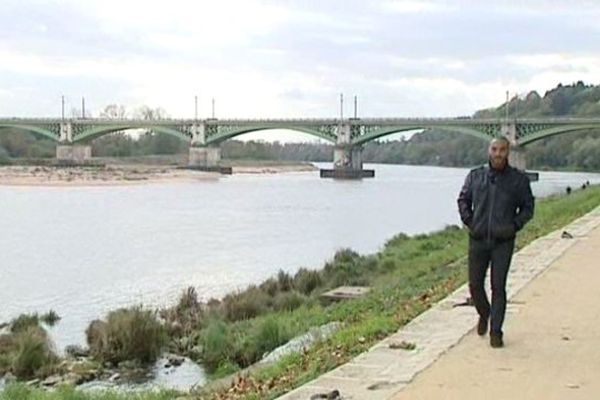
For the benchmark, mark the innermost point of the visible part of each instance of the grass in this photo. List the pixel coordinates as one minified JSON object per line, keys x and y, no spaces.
{"x":23,"y":392}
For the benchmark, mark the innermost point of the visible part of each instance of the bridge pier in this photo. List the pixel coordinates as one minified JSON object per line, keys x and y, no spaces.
{"x":205,"y":157}
{"x":347,"y":158}
{"x":347,"y":164}
{"x":517,"y":157}
{"x":73,"y":153}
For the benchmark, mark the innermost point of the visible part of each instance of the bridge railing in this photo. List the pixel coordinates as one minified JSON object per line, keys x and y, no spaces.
{"x":325,"y":121}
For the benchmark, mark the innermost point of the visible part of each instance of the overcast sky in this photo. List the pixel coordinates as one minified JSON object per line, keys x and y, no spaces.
{"x":291,"y":58}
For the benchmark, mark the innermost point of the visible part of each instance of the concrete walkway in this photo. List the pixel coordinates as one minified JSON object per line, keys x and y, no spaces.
{"x":552,"y":335}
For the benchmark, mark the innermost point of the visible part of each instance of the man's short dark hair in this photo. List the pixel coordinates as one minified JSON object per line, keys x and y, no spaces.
{"x":500,"y":139}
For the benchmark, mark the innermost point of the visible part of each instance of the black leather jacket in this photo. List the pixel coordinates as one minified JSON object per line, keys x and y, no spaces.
{"x":495,"y":204}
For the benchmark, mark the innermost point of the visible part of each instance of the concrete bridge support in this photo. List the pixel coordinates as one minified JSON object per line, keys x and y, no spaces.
{"x":69,"y":153}
{"x":517,"y":157}
{"x":347,"y":158}
{"x":204,"y":157}
{"x":347,"y":164}
{"x":73,"y":153}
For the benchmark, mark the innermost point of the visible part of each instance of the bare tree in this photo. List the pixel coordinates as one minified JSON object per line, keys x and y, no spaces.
{"x":114,"y":111}
{"x":145,"y":112}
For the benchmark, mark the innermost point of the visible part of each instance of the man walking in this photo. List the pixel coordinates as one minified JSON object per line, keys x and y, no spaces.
{"x":495,"y":202}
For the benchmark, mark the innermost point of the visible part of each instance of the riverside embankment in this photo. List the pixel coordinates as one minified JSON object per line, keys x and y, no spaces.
{"x":406,"y":277}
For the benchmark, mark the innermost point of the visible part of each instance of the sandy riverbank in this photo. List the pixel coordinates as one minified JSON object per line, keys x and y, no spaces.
{"x":114,"y":175}
{"x":273,"y":169}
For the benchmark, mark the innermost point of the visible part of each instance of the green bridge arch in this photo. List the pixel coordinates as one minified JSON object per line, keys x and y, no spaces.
{"x":99,"y":131}
{"x":549,"y":132}
{"x":219,"y":138}
{"x":31,"y":129}
{"x":377,"y":134}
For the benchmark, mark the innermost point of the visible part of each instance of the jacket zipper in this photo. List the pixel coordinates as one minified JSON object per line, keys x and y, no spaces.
{"x":493,"y":194}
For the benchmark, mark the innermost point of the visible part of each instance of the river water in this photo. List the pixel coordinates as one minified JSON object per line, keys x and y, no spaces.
{"x":83,"y":251}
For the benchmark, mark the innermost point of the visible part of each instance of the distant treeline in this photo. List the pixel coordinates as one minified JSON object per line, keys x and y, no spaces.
{"x":577,"y":151}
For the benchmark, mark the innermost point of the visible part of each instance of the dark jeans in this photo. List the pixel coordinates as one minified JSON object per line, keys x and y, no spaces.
{"x":481,"y":254}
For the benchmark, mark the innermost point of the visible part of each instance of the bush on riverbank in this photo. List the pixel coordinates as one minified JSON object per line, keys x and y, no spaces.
{"x":129,"y":334}
{"x":280,"y":293}
{"x":26,"y":350}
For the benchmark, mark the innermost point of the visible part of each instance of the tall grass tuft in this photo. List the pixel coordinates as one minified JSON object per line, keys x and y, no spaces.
{"x":248,"y":304}
{"x":132,"y":334}
{"x":306,"y":281}
{"x":51,"y":318}
{"x":217,"y":344}
{"x":33,"y":355}
{"x":289,"y":301}
{"x":270,"y":333}
{"x":24,"y":322}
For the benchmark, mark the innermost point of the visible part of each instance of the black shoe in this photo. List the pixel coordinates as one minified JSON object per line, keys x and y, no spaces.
{"x":496,"y":340}
{"x":482,"y":326}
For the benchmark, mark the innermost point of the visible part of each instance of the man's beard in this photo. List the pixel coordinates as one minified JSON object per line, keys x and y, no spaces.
{"x":498,"y":161}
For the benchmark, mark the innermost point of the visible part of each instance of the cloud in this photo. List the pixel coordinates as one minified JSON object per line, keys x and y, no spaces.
{"x":411,"y":7}
{"x":292,"y":59}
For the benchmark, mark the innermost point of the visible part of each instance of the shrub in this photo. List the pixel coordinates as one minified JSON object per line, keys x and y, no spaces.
{"x":306,"y":281}
{"x":270,"y":286}
{"x":6,"y":346}
{"x":269,"y":334}
{"x":397,"y":240}
{"x":26,"y":350}
{"x":187,"y":315}
{"x":289,"y":301}
{"x":23,"y":322}
{"x":188,"y":300}
{"x":388,"y":264}
{"x":285,"y":281}
{"x":33,"y":355}
{"x":97,"y":338}
{"x":244,"y":305}
{"x":7,"y":343}
{"x":217,"y":344}
{"x":452,"y":228}
{"x":130,"y":334}
{"x":50,"y":318}
{"x":348,"y":268}
{"x":345,"y":255}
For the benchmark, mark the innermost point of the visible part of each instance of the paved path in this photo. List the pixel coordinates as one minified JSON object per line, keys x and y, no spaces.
{"x":552,"y":336}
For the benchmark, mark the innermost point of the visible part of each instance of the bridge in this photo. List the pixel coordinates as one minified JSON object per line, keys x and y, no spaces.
{"x":73,"y":136}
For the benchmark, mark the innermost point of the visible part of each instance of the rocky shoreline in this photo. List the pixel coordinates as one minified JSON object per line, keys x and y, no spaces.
{"x":78,"y":369}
